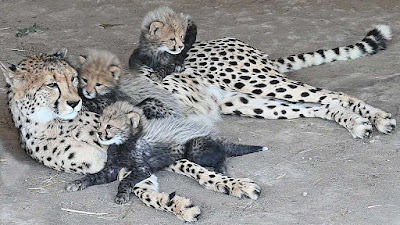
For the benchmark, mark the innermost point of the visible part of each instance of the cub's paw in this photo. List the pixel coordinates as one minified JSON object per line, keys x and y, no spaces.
{"x":384,"y":123}
{"x":241,"y":187}
{"x":184,"y":209}
{"x":122,"y":198}
{"x":361,"y":128}
{"x":76,"y":185}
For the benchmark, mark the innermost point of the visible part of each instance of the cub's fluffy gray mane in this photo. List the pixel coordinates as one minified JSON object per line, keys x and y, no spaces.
{"x":163,"y":14}
{"x":106,"y":57}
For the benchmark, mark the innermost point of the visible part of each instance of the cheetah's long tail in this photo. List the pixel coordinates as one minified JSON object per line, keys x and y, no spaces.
{"x":374,"y":41}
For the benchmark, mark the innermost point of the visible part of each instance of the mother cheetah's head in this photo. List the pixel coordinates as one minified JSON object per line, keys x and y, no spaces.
{"x":44,"y":87}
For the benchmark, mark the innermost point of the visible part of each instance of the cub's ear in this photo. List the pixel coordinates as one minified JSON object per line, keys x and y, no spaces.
{"x":115,"y":71}
{"x":61,"y":54}
{"x":82,"y":59}
{"x":135,"y":118}
{"x":155,"y":27}
{"x":11,"y":74}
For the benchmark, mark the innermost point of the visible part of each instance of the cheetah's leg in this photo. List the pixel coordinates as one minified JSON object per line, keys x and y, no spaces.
{"x":277,"y":86}
{"x":238,"y":187}
{"x":107,"y":175}
{"x":147,"y":192}
{"x":260,"y":107}
{"x":251,"y":105}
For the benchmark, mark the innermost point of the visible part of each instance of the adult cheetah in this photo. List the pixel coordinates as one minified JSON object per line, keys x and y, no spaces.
{"x":243,"y":81}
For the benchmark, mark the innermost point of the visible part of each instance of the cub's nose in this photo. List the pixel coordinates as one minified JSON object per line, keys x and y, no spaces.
{"x":181,"y":47}
{"x":73,"y":104}
{"x":99,"y":133}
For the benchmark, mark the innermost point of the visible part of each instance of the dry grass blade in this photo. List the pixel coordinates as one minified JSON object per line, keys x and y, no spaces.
{"x":83,"y":212}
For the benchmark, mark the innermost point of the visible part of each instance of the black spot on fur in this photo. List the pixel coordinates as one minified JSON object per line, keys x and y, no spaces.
{"x":228,"y":104}
{"x":71,"y":156}
{"x":243,"y":100}
{"x":258,"y":111}
{"x":257,"y":91}
{"x":239,"y":85}
{"x":305,"y":94}
{"x":280,"y":90}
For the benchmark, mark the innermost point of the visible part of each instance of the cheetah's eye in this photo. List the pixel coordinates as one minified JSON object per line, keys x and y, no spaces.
{"x":52,"y":85}
{"x":108,"y":126}
{"x":172,"y":39}
{"x":84,"y":80}
{"x":98,"y":84}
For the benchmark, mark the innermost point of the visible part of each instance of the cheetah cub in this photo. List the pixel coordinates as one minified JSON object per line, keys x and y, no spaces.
{"x":140,"y":147}
{"x":166,"y":37}
{"x":102,"y":82}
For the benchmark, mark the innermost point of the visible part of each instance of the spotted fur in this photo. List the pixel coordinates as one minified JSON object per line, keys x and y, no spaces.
{"x":243,"y":81}
{"x":46,"y":109}
{"x":372,"y":43}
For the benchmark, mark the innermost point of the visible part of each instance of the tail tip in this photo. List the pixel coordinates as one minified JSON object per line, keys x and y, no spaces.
{"x":264,"y":148}
{"x":385,"y":31}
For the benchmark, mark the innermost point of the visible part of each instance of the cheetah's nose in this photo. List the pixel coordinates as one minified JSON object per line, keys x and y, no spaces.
{"x":73,"y":104}
{"x":99,"y":133}
{"x":181,"y":47}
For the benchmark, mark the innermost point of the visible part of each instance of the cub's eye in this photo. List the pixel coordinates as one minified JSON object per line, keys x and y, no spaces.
{"x":84,"y":80}
{"x":52,"y":85}
{"x":172,"y":39}
{"x":98,"y":84}
{"x":108,"y":126}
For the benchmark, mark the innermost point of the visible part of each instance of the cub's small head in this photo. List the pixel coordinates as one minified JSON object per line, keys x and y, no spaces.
{"x":165,"y":29}
{"x":99,"y":73}
{"x":43,"y":87}
{"x":119,"y":121}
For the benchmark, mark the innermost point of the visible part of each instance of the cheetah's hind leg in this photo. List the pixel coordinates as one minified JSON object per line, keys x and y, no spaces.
{"x":268,"y":108}
{"x":237,"y":187}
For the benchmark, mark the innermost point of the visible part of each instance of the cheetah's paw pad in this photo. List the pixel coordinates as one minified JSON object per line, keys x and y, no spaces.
{"x":385,"y":124}
{"x":75,"y":185}
{"x":362,"y":128}
{"x":122,"y":198}
{"x":185,"y":210}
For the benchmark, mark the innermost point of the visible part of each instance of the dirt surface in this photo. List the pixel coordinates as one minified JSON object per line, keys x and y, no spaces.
{"x":314,"y":173}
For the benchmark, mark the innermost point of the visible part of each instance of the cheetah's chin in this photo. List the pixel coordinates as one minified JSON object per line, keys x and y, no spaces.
{"x":115,"y":140}
{"x":68,"y":116}
{"x":166,"y":49}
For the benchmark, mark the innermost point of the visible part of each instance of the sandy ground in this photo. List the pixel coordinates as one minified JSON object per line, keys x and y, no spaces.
{"x":314,"y":173}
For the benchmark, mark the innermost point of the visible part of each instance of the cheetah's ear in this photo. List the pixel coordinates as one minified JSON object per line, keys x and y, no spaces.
{"x":154,"y":27}
{"x":135,"y":118}
{"x":115,"y":71}
{"x":61,"y":54}
{"x":82,"y":59}
{"x":10,"y":74}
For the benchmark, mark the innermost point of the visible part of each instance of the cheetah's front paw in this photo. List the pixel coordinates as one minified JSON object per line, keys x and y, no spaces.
{"x":241,"y":187}
{"x":385,"y":124}
{"x":362,"y":128}
{"x":122,"y":198}
{"x":75,"y":185}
